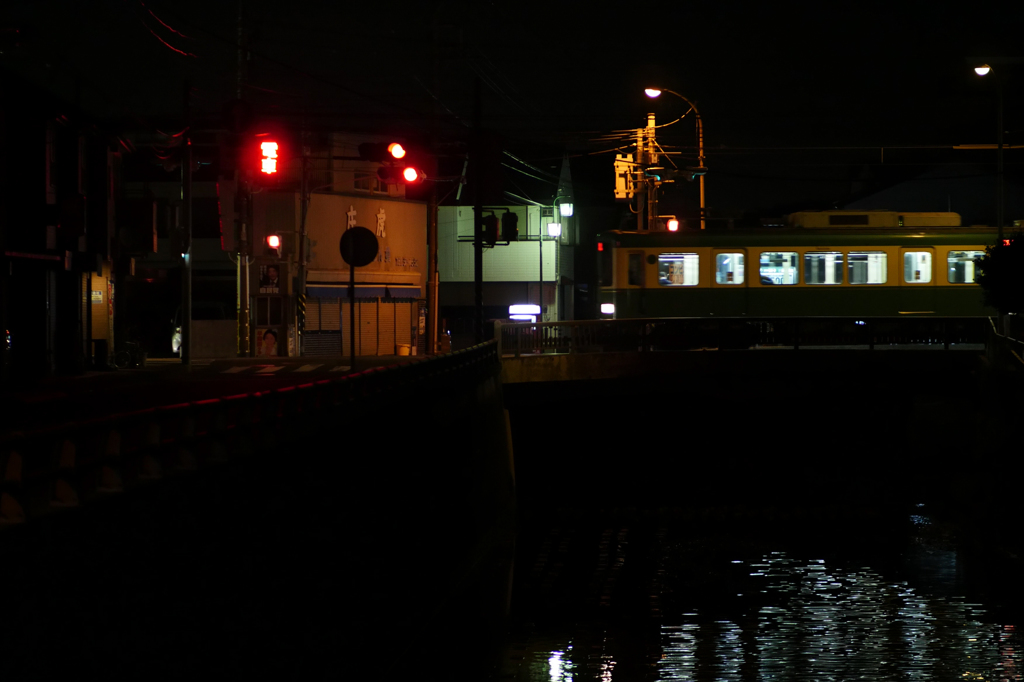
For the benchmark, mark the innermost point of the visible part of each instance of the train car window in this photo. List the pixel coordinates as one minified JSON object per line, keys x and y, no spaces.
{"x":636,"y":269}
{"x":866,"y":267}
{"x":604,"y":265}
{"x":917,"y":267}
{"x":729,"y":268}
{"x":678,"y":269}
{"x":779,"y":267}
{"x":960,"y":266}
{"x":825,"y":267}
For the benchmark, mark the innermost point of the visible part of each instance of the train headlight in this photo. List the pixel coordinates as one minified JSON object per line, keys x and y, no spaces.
{"x":607,"y":308}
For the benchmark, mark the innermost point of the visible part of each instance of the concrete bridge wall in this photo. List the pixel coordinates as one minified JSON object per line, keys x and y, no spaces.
{"x":276,"y":534}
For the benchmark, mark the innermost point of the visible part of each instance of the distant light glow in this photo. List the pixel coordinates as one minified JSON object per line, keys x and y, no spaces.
{"x":673,"y":225}
{"x":600,"y":246}
{"x":523,"y":318}
{"x":524,"y":309}
{"x":607,"y":308}
{"x":554,"y":229}
{"x":269,"y":162}
{"x":410,"y":174}
{"x":565,"y":209}
{"x":652,"y":92}
{"x":983,"y":70}
{"x":396,"y":150}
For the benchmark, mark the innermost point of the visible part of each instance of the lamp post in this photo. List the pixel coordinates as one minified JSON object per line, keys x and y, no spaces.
{"x":559,"y":207}
{"x":654,"y":93}
{"x":985,"y":70}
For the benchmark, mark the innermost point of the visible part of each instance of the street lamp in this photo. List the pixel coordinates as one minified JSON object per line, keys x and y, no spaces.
{"x":654,"y":93}
{"x":984,"y":70}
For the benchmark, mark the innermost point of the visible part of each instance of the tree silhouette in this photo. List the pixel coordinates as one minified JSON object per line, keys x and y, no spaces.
{"x":1000,"y":272}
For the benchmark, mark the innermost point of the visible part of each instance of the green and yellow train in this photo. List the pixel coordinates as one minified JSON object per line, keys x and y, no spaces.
{"x":821,"y":264}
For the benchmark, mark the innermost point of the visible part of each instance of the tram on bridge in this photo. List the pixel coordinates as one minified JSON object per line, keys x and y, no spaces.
{"x":821,"y":264}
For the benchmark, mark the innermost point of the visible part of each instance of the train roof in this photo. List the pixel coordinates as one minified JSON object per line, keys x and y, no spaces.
{"x":795,"y":236}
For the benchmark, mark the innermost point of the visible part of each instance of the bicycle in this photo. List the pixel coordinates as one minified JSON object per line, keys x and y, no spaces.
{"x":130,"y":355}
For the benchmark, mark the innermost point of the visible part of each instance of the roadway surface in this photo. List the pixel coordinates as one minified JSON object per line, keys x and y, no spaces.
{"x":163,"y":381}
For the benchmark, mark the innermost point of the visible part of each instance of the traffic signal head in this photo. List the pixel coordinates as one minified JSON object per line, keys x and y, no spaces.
{"x":489,"y":229}
{"x":400,"y":175}
{"x":672,"y":224}
{"x":268,"y":154}
{"x":510,"y":227}
{"x":274,"y":242}
{"x":381,"y":151}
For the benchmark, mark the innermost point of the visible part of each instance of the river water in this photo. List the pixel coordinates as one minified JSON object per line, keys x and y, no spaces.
{"x":666,"y":595}
{"x":760,"y":525}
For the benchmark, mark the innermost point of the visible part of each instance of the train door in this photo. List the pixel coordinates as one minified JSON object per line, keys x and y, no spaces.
{"x":917,"y":280}
{"x":636,"y":281}
{"x":729,"y":282}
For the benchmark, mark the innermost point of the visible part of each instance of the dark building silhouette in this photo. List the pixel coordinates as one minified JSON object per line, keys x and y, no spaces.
{"x":58,"y":184}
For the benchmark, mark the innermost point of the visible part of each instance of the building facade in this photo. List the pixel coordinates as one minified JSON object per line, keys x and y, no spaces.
{"x":59,"y":186}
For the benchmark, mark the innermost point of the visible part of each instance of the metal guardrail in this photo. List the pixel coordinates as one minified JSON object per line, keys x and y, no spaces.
{"x":66,"y":467}
{"x":676,"y":334}
{"x":1002,"y":349}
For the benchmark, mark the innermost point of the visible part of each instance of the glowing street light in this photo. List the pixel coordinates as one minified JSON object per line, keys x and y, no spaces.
{"x":654,"y":93}
{"x":984,"y":70}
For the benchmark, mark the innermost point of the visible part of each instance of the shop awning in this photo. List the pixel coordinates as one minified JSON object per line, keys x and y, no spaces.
{"x":363,"y":291}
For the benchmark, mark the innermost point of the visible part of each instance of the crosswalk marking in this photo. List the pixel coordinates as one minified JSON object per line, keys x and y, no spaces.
{"x":234,"y":370}
{"x":270,"y":369}
{"x":340,"y":368}
{"x":307,"y":368}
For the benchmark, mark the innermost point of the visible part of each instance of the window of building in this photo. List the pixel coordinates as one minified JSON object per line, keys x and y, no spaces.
{"x":636,"y":269}
{"x":961,"y":266}
{"x":678,"y":269}
{"x":917,"y":267}
{"x":729,"y":268}
{"x":823,"y":267}
{"x":779,"y":267}
{"x":369,"y":182}
{"x":866,"y":267}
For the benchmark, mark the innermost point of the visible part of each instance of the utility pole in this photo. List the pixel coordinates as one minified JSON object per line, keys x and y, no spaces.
{"x":652,"y":182}
{"x":478,"y":243}
{"x":186,"y":211}
{"x":301,"y":293}
{"x":432,"y":278}
{"x":243,"y":206}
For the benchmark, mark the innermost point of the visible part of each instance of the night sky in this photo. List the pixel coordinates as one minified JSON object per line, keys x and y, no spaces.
{"x":770,"y":79}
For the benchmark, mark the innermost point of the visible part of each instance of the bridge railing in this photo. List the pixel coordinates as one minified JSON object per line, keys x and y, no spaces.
{"x":69,"y":466}
{"x":676,"y":334}
{"x":1002,"y":348}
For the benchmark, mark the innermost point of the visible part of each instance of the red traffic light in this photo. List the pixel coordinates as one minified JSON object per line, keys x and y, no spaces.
{"x":400,"y":175}
{"x":382,"y":151}
{"x":274,"y":241}
{"x":673,"y":225}
{"x":413,"y":174}
{"x":268,"y":162}
{"x":396,"y":150}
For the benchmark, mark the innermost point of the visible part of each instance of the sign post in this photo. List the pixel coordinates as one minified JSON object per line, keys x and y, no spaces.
{"x":358,"y":248}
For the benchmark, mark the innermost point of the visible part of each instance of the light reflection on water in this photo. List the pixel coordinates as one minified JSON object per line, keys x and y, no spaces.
{"x":829,"y":624}
{"x":808,"y":621}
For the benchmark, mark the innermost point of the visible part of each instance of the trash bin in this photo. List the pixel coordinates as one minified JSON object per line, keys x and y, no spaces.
{"x":403,"y":348}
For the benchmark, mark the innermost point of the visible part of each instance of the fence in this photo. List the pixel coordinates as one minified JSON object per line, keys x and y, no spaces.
{"x":69,"y":466}
{"x":677,"y":334}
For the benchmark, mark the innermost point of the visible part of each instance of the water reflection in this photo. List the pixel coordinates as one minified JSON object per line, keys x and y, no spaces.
{"x":822,"y":623}
{"x":794,"y":618}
